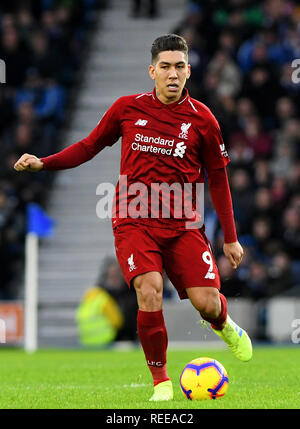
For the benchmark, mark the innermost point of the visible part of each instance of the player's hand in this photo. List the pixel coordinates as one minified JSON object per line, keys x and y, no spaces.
{"x":28,"y":162}
{"x":234,"y":253}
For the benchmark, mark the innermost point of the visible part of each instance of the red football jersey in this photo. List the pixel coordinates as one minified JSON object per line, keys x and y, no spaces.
{"x":170,"y":144}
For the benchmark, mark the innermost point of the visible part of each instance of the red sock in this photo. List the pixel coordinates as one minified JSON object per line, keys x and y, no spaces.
{"x":221,"y":319}
{"x":154,"y":339}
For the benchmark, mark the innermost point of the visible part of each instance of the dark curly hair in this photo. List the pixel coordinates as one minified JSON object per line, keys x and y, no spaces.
{"x":168,"y":42}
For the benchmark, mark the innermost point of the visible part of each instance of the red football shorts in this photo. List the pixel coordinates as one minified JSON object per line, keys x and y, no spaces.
{"x":186,"y":256}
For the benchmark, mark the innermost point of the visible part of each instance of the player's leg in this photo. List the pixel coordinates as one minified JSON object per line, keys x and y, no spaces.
{"x":152,"y":331}
{"x":212,"y":306}
{"x":192,"y":269}
{"x":149,"y":291}
{"x":140,"y":258}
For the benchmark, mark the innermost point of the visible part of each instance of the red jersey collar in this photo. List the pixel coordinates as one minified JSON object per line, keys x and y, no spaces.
{"x":183,"y":98}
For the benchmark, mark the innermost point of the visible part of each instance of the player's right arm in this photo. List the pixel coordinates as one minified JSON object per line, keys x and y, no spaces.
{"x":106,"y":133}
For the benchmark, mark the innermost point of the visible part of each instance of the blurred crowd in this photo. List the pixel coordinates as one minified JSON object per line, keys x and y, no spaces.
{"x":241,"y":53}
{"x":144,"y":8}
{"x":111,"y":279}
{"x":43,"y":44}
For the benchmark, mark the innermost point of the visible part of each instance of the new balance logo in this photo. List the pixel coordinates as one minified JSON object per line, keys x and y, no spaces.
{"x":210,"y":275}
{"x":180,"y":149}
{"x":141,"y":122}
{"x":184,"y":131}
{"x":131,"y":263}
{"x":223,"y":150}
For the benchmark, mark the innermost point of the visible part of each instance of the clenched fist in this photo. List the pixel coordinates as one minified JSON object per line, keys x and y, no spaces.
{"x":234,"y":253}
{"x":28,"y":162}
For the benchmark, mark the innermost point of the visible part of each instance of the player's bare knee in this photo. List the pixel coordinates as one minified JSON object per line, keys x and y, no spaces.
{"x":213,"y":307}
{"x":149,"y":293}
{"x":211,"y":310}
{"x":207,"y":302}
{"x":149,"y":298}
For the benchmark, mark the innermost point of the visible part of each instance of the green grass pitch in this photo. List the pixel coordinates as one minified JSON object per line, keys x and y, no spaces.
{"x":111,"y":379}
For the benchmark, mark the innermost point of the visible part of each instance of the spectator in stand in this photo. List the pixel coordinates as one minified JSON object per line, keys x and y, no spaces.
{"x":228,"y":42}
{"x":280,"y":274}
{"x":264,"y":90}
{"x":240,"y":154}
{"x":258,"y":281}
{"x":229,"y":76}
{"x":242,"y":197}
{"x":283,"y":158}
{"x":51,"y":104}
{"x":16,"y":55}
{"x":285,"y":110}
{"x":231,"y":284}
{"x":263,"y":204}
{"x":25,"y":114}
{"x":291,"y":231}
{"x":111,"y":279}
{"x":262,"y":233}
{"x":23,"y":138}
{"x":245,"y":109}
{"x":262,"y":173}
{"x":152,"y":8}
{"x":25,"y":24}
{"x":279,"y":192}
{"x":46,"y":58}
{"x":255,"y":138}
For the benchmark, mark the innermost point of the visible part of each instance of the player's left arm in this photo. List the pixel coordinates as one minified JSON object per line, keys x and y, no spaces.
{"x":215,"y":158}
{"x":222,"y":201}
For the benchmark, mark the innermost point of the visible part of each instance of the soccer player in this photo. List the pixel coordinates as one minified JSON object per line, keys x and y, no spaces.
{"x":167,"y":138}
